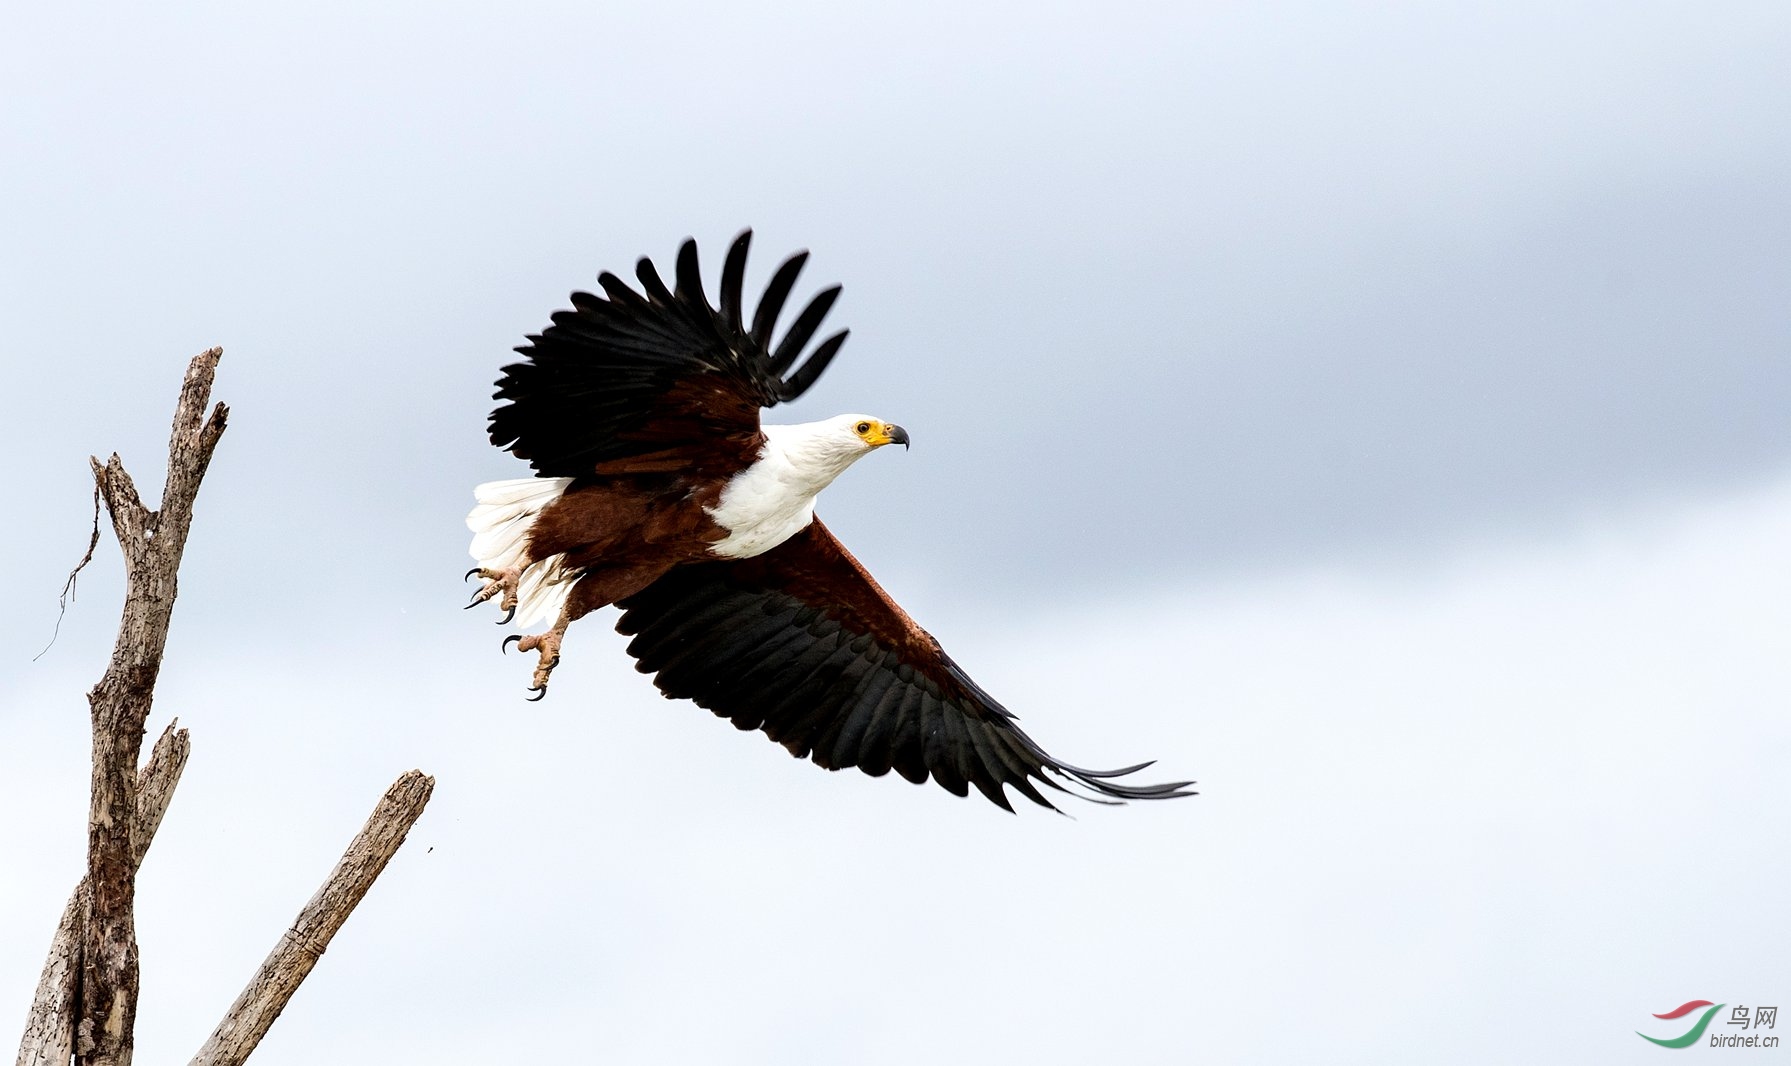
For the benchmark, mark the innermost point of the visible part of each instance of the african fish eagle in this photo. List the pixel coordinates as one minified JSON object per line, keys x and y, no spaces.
{"x":659,"y":491}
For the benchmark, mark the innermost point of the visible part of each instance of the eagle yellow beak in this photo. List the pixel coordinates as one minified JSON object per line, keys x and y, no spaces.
{"x":889,"y":433}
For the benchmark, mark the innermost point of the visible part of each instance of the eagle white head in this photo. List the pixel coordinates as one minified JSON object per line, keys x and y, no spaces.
{"x":833,"y":444}
{"x":771,"y":500}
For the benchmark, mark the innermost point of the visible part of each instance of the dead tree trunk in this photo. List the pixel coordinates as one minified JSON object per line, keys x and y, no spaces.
{"x":86,"y":1002}
{"x":152,"y":542}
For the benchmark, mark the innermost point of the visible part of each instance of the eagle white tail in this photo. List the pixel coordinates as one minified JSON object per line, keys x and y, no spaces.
{"x":500,"y":524}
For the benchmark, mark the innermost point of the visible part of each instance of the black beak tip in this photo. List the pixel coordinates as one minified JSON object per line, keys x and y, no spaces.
{"x":898,"y":435}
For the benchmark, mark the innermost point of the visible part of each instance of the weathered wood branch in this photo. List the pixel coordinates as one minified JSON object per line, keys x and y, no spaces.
{"x":49,"y":1027}
{"x":152,"y":542}
{"x":155,"y":786}
{"x":301,"y":946}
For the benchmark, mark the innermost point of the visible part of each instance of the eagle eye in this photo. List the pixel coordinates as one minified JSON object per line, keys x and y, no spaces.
{"x":863,"y":427}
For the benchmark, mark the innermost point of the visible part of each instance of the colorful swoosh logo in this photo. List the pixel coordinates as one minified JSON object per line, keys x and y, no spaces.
{"x":1691,"y":1036}
{"x":1683,"y":1009}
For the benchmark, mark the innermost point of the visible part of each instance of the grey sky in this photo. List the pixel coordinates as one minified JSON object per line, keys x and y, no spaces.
{"x":1203,"y":306}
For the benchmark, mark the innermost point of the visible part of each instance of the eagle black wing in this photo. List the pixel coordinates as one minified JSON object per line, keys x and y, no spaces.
{"x":661,"y":380}
{"x":802,"y":643}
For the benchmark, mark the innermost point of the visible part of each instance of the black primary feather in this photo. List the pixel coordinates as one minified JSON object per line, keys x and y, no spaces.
{"x":631,"y":373}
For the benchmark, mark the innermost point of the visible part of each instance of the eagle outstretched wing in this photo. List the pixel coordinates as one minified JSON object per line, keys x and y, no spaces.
{"x":662,"y":380}
{"x":802,"y":643}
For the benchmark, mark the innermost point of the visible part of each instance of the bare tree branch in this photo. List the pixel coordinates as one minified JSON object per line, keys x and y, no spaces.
{"x":49,"y":1027}
{"x":152,"y":542}
{"x":291,"y":961}
{"x":155,"y":786}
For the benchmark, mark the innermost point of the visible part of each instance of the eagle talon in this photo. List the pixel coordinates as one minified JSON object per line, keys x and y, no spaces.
{"x":504,"y":621}
{"x":505,"y":646}
{"x":540,"y":694}
{"x":499,"y":584}
{"x":547,"y":646}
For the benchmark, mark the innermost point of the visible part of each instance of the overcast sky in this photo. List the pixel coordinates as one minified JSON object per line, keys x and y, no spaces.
{"x":1376,"y":413}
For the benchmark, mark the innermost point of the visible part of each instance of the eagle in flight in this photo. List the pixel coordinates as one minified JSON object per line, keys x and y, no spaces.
{"x":659,"y":491}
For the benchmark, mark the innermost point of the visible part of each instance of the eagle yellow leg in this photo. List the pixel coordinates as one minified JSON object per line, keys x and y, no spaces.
{"x":497,"y":581}
{"x":548,"y":646}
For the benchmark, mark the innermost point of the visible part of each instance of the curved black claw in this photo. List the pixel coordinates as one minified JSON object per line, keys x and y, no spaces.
{"x":504,"y":621}
{"x":470,"y":573}
{"x":505,"y":646}
{"x":540,"y":694}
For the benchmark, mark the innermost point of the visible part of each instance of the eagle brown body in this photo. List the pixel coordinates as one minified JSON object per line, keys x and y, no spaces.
{"x":623,"y":532}
{"x":659,"y":491}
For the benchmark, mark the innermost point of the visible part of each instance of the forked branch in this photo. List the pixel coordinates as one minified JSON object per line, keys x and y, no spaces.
{"x":86,"y":1002}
